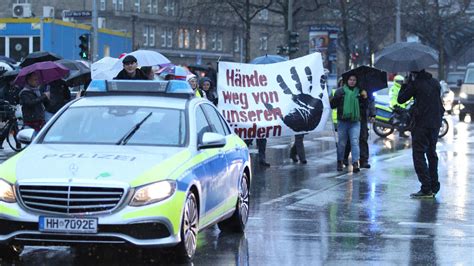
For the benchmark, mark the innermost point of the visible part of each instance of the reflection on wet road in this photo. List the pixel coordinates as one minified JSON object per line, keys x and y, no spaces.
{"x":312,"y":215}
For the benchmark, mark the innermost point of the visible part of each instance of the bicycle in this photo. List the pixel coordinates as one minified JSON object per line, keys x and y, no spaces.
{"x":11,"y":127}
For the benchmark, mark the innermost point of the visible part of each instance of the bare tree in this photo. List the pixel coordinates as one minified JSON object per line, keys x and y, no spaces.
{"x":442,"y":24}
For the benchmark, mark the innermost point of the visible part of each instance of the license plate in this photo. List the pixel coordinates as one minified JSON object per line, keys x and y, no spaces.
{"x":68,"y":225}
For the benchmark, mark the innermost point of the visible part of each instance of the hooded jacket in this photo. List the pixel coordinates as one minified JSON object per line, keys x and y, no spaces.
{"x":428,"y":109}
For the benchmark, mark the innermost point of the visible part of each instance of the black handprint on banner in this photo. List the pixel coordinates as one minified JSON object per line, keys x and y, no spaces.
{"x":307,"y":114}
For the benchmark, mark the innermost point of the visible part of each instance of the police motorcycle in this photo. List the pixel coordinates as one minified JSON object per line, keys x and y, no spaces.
{"x":388,"y":119}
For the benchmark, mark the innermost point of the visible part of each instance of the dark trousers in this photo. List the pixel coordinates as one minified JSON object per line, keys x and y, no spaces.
{"x":261,"y":146}
{"x":424,"y":143}
{"x":298,"y":148}
{"x":363,"y":143}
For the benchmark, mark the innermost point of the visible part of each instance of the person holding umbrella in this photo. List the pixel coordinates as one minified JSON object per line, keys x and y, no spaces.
{"x":347,"y":100}
{"x":33,"y":102}
{"x":427,"y":113}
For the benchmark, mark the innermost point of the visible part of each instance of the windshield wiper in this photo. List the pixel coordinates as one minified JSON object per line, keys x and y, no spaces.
{"x":123,"y":140}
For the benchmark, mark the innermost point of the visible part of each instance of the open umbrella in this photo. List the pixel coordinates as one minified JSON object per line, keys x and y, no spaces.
{"x":406,"y":56}
{"x":8,"y":60}
{"x":368,"y":78}
{"x":79,"y":73}
{"x":36,"y":57}
{"x":145,"y":58}
{"x":48,"y":71}
{"x":179,"y":73}
{"x":10,"y":75}
{"x":268,"y":59}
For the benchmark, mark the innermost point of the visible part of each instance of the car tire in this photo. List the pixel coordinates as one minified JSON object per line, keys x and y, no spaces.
{"x":237,"y":222}
{"x":10,"y":252}
{"x":184,"y":251}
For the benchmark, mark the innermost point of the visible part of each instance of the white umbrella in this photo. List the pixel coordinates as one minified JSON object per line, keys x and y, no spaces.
{"x":145,"y":58}
{"x":104,"y":67}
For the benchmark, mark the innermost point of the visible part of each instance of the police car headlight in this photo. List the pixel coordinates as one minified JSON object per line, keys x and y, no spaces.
{"x":7,"y":193}
{"x":463,"y":95}
{"x":153,"y":193}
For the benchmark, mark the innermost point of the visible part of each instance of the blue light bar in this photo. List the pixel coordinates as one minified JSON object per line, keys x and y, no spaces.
{"x":171,"y":86}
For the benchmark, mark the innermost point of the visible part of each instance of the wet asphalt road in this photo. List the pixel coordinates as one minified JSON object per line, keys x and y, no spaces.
{"x":312,"y":215}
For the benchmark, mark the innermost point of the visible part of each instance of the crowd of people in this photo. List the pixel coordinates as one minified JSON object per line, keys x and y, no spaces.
{"x":353,"y":110}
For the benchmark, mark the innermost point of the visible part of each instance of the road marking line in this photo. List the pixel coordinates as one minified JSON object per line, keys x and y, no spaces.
{"x":301,"y":191}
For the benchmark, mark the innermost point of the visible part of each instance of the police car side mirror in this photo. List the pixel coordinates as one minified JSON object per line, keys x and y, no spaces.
{"x":26,"y":136}
{"x":212,"y":140}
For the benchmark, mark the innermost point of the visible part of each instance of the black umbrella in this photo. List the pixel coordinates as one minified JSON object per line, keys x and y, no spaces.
{"x":77,"y":78}
{"x":79,"y":73}
{"x":10,"y":75}
{"x":39,"y":57}
{"x":268,"y":59}
{"x":406,"y":56}
{"x":7,"y":60}
{"x":368,"y":78}
{"x":197,"y":67}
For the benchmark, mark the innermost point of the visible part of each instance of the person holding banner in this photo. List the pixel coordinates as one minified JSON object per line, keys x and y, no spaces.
{"x":348,"y":100}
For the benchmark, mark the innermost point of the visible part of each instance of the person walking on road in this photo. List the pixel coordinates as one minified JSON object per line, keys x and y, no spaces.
{"x":427,"y":113}
{"x":347,"y":100}
{"x":298,"y":149}
{"x":367,"y":114}
{"x":33,"y":102}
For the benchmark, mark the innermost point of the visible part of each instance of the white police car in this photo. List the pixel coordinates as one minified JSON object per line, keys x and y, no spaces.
{"x":133,"y":162}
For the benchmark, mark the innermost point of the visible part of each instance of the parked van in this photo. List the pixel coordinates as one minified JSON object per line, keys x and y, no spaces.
{"x":466,"y":94}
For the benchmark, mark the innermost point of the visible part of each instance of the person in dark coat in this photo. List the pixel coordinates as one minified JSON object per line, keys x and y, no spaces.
{"x":59,"y":96}
{"x":130,"y":69}
{"x":207,"y":86}
{"x":211,"y":73}
{"x":33,"y":102}
{"x":427,"y":114}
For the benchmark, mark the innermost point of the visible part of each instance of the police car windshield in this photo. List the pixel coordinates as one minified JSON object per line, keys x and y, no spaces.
{"x":107,"y":124}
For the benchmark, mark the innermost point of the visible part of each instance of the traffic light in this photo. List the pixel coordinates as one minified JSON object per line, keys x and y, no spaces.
{"x":293,"y":42}
{"x":84,"y":46}
{"x":282,"y":50}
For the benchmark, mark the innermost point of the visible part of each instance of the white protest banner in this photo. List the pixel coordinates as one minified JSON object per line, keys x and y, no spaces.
{"x":280,"y":99}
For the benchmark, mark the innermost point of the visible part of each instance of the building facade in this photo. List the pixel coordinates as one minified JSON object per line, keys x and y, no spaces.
{"x":167,"y":26}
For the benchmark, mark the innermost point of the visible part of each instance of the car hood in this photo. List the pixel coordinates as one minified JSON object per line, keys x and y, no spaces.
{"x":94,"y":163}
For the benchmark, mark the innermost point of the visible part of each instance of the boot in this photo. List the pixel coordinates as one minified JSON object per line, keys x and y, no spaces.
{"x":340,"y":166}
{"x":355,"y":167}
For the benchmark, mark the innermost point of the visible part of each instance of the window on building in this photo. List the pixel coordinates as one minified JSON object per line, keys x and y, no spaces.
{"x":152,"y":6}
{"x":149,"y":36}
{"x":145,"y":35}
{"x":137,"y":6}
{"x":201,"y":43}
{"x":103,"y":5}
{"x":36,"y":44}
{"x":120,"y":5}
{"x":2,"y":46}
{"x":237,"y":43}
{"x":167,"y":38}
{"x":170,"y":7}
{"x":114,"y":4}
{"x":263,"y":14}
{"x":217,"y":41}
{"x":23,"y":1}
{"x":183,"y":38}
{"x":264,"y":42}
